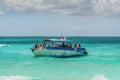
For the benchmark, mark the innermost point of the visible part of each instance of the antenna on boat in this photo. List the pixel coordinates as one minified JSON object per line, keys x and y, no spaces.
{"x":63,"y":38}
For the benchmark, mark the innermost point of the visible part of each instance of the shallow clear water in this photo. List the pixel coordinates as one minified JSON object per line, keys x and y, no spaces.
{"x":17,"y":62}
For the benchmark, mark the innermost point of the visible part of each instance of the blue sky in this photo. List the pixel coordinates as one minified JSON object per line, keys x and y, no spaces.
{"x":60,"y":17}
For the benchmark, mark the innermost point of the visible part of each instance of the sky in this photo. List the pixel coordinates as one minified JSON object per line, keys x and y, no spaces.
{"x":59,"y":17}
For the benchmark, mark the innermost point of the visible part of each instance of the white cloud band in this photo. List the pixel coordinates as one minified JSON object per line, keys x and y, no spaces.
{"x":74,"y":7}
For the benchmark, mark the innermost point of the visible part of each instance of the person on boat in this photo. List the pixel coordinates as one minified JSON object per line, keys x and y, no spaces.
{"x":69,"y":45}
{"x":63,"y":44}
{"x":36,"y":46}
{"x":75,"y":46}
{"x":78,"y":45}
{"x":53,"y":45}
{"x":44,"y":45}
{"x":41,"y":46}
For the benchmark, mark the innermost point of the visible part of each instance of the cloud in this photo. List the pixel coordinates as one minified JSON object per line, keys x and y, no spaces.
{"x":59,"y":6}
{"x":71,"y":7}
{"x":106,"y":7}
{"x":53,"y":6}
{"x":2,"y":13}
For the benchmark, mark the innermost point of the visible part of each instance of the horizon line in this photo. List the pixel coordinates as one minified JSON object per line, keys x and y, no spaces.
{"x":59,"y":36}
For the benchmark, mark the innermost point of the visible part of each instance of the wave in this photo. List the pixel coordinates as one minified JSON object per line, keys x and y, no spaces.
{"x":15,"y":78}
{"x":99,"y":77}
{"x":4,"y":45}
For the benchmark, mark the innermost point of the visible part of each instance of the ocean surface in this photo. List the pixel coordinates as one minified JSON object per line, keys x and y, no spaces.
{"x":17,"y":62}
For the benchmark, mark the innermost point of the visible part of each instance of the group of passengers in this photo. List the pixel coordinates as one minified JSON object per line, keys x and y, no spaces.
{"x":41,"y":46}
{"x":77,"y":46}
{"x":67,"y":45}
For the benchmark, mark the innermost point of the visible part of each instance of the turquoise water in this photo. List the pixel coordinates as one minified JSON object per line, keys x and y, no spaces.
{"x":17,"y":62}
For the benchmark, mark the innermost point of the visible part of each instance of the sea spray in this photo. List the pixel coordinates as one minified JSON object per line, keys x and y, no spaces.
{"x":99,"y":77}
{"x":3,"y":45}
{"x":17,"y":77}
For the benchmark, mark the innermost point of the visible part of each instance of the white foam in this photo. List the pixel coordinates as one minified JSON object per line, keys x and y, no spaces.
{"x":99,"y":77}
{"x":3,"y":45}
{"x":15,"y":78}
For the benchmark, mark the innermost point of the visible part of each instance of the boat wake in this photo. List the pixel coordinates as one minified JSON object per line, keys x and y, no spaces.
{"x":4,"y":45}
{"x":99,"y":77}
{"x":15,"y":78}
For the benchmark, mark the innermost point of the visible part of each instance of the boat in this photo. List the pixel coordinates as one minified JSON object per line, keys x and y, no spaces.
{"x":58,"y":48}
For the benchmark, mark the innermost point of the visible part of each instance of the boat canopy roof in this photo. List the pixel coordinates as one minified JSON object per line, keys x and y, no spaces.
{"x":56,"y":40}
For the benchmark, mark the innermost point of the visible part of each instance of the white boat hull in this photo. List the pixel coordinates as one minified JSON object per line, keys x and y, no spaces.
{"x":57,"y":53}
